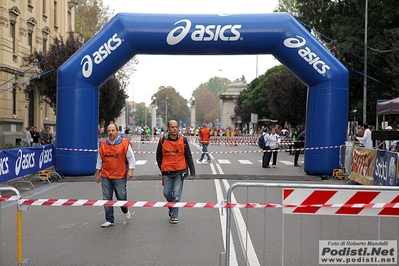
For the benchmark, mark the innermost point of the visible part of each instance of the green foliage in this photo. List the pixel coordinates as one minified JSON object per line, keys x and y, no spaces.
{"x":49,"y":62}
{"x":91,"y":16}
{"x":215,"y":85}
{"x":344,"y":22}
{"x":207,"y":107}
{"x":275,"y":95}
{"x":177,"y":105}
{"x":112,"y":101}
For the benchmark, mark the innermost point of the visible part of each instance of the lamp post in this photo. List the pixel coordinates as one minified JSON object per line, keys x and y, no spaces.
{"x":166,"y":111}
{"x":220,"y":97}
{"x":365,"y":65}
{"x":154,"y":112}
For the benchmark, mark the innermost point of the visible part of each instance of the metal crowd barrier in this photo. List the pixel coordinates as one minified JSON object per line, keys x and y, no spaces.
{"x":19,"y":225}
{"x":275,"y":236}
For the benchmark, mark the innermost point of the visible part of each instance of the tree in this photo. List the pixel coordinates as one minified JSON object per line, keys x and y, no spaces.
{"x":49,"y":62}
{"x":176,"y":105}
{"x":112,"y":101}
{"x":215,"y":85}
{"x":287,"y":97}
{"x":275,"y":95}
{"x":207,"y":107}
{"x":340,"y":26}
{"x":91,"y":16}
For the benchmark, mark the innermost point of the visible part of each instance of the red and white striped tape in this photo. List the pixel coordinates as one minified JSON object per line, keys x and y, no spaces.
{"x":350,"y":208}
{"x":345,"y":202}
{"x":220,"y":152}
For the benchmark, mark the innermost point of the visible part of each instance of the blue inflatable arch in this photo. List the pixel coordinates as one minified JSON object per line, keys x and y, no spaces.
{"x":126,"y":35}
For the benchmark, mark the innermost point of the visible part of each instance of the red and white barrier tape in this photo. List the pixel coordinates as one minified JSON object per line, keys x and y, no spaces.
{"x":221,"y":152}
{"x":208,"y":205}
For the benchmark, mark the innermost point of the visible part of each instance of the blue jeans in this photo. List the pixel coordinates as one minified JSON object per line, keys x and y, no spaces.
{"x":172,"y":189}
{"x":205,"y":152}
{"x":108,"y":187}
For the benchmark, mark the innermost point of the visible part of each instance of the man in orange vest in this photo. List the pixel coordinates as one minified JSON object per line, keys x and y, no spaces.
{"x":174,"y":159}
{"x":113,"y":154}
{"x":205,"y":136}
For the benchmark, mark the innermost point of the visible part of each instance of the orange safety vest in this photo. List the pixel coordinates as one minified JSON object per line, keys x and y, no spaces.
{"x":173,"y":157}
{"x":205,"y":135}
{"x":114,"y":159}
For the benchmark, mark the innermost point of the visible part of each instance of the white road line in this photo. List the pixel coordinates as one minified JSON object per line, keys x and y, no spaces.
{"x":213,"y":169}
{"x":223,"y":161}
{"x":141,"y":162}
{"x":222,"y":215}
{"x":245,"y":162}
{"x":220,"y":169}
{"x":243,"y":234}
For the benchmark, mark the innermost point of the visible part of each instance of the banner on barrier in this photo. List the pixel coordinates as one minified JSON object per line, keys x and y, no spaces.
{"x":25,"y":161}
{"x":362,"y":169}
{"x":385,"y":170}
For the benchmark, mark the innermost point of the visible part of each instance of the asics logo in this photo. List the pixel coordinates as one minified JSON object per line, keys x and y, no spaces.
{"x":306,"y":53}
{"x":98,"y":56}
{"x":227,"y":33}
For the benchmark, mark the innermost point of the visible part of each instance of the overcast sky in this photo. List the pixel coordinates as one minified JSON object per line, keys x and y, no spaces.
{"x":185,"y":73}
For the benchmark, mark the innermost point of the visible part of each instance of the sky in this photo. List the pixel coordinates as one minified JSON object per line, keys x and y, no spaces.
{"x":183,"y":72}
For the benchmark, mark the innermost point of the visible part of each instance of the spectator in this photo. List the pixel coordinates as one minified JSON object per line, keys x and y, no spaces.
{"x":35,"y":137}
{"x":298,"y":145}
{"x":366,"y":139}
{"x":46,"y":137}
{"x":28,"y":137}
{"x":273,"y":141}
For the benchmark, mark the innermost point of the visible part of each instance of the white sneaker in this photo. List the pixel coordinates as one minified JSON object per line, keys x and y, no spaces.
{"x":273,"y":166}
{"x":127,"y":216}
{"x":107,"y":224}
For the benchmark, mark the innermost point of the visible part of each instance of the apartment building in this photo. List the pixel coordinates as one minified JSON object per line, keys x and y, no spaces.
{"x":27,"y":26}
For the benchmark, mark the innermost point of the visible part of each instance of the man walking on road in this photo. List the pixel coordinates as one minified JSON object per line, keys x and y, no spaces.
{"x":115,"y":152}
{"x":174,"y":159}
{"x":205,"y":136}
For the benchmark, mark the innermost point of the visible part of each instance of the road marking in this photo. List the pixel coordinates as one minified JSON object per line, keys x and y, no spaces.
{"x":245,"y":162}
{"x":222,"y":216}
{"x":243,"y":233}
{"x":223,"y":161}
{"x":141,"y":162}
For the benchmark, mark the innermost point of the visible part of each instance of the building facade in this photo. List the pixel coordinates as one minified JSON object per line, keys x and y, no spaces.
{"x":229,"y":102}
{"x":27,"y":26}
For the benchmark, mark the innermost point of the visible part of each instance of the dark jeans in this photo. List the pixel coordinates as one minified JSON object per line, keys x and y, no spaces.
{"x":266,"y":158}
{"x":274,"y":153}
{"x":297,"y":146}
{"x":109,"y":186}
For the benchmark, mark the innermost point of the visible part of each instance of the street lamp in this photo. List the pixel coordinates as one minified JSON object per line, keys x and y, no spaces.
{"x":220,"y":97}
{"x":166,"y":111}
{"x":365,"y":65}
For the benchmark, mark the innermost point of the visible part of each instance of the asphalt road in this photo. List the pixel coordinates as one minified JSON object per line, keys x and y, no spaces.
{"x":73,"y":236}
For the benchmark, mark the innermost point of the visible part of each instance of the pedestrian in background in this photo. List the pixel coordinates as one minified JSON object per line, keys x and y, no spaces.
{"x":28,"y":137}
{"x":35,"y":137}
{"x":46,"y":137}
{"x":205,"y":136}
{"x":174,"y":159}
{"x":273,"y":140}
{"x":298,"y":145}
{"x":366,"y":138}
{"x":114,"y":152}
{"x":266,"y":148}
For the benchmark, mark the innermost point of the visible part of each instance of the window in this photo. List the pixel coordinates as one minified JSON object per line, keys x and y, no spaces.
{"x":44,"y":44}
{"x":30,"y":41}
{"x":31,"y":25}
{"x":14,"y":13}
{"x":55,"y":13}
{"x":12,"y":32}
{"x":14,"y":101}
{"x":44,"y":7}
